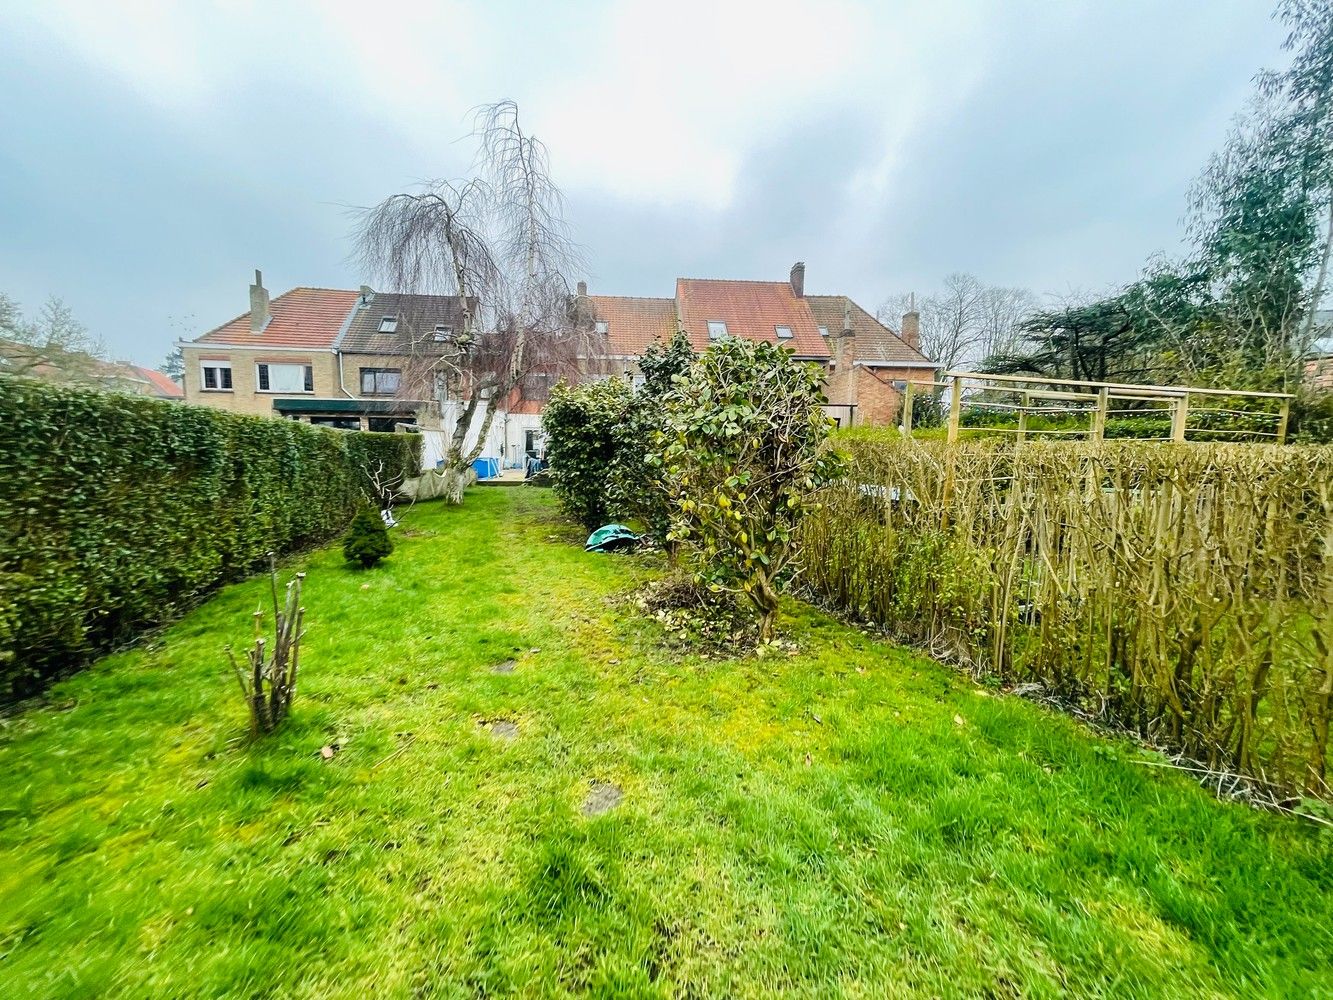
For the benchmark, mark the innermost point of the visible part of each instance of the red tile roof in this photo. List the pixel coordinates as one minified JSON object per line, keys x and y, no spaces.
{"x":634,"y":323}
{"x":303,"y":317}
{"x":751,"y":309}
{"x":159,"y":384}
{"x":874,"y":340}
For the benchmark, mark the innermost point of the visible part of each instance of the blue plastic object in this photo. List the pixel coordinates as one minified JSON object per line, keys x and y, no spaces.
{"x":486,"y":468}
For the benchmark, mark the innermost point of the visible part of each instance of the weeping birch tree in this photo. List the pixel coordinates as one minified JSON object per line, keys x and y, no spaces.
{"x":499,"y":241}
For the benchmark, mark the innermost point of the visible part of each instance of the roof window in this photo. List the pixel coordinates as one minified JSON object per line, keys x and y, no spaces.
{"x":442,"y":332}
{"x":389,"y":324}
{"x":716,"y":329}
{"x":783,"y":332}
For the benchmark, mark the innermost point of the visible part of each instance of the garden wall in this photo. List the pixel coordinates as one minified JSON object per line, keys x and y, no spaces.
{"x":116,"y":510}
{"x":1186,"y":591}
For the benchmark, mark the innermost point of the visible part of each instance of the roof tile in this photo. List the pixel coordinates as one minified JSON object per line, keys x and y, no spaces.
{"x":751,"y":309}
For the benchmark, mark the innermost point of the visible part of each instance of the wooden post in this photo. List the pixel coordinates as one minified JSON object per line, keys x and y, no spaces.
{"x":955,"y":407}
{"x":908,"y":393}
{"x":1099,"y":418}
{"x":1178,"y":418}
{"x":1023,"y":418}
{"x":1283,"y":416}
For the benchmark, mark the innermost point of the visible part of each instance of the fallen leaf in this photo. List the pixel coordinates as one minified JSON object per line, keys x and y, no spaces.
{"x":326,"y":752}
{"x":535,"y":649}
{"x":958,"y":720}
{"x":807,"y":760}
{"x":860,"y":670}
{"x":817,"y":718}
{"x":365,"y":586}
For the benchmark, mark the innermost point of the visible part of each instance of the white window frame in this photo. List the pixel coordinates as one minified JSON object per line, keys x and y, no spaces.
{"x":308,"y":375}
{"x":388,"y":324}
{"x":602,"y":327}
{"x":783,"y":336}
{"x":442,"y":332}
{"x":717,"y":329}
{"x":823,"y":331}
{"x":216,"y":366}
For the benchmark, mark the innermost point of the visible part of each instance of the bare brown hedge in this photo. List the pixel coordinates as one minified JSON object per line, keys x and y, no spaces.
{"x":1186,"y":591}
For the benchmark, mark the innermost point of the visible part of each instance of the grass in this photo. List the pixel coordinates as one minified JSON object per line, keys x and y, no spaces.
{"x":853,"y":820}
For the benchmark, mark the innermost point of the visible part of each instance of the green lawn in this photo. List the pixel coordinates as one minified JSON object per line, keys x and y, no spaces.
{"x":850,"y":821}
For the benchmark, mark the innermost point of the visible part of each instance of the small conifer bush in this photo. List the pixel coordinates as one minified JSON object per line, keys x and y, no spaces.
{"x":367,"y":541}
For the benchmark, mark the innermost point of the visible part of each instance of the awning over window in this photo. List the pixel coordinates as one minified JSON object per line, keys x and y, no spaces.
{"x":363,"y":407}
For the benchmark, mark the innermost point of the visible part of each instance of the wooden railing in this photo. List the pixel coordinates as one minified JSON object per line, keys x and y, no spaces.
{"x":1026,"y":395}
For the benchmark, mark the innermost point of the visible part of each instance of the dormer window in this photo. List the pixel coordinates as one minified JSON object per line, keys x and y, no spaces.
{"x":603,"y":326}
{"x":716,"y":329}
{"x":783,"y":332}
{"x":442,"y":332}
{"x":389,"y":324}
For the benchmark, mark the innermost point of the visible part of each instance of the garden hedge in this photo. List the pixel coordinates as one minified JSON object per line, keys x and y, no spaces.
{"x":116,"y":511}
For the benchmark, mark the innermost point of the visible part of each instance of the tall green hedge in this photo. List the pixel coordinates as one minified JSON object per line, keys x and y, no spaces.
{"x":117,"y":510}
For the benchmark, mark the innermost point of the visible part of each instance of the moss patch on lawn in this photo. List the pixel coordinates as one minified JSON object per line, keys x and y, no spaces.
{"x":849,"y":820}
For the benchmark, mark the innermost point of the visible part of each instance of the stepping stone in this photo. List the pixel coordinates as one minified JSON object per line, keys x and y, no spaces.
{"x":602,"y":797}
{"x":507,"y":667}
{"x":501,"y":729}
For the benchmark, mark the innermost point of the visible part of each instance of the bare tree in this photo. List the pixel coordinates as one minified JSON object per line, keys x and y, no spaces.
{"x":55,"y":345}
{"x":500,"y":243}
{"x":1001,"y":312}
{"x":961,"y":320}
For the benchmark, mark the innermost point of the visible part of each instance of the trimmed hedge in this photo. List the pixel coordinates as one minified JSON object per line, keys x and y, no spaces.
{"x":116,"y":511}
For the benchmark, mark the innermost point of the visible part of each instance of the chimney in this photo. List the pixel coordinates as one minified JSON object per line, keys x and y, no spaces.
{"x":583,"y":289}
{"x":844,"y":352}
{"x":911,"y":329}
{"x":259,"y":314}
{"x":798,"y":279}
{"x":363,"y":299}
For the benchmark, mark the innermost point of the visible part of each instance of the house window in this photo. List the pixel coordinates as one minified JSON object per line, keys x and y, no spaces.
{"x":380,"y":381}
{"x":823,"y":331}
{"x":716,"y":329}
{"x":783,"y":332}
{"x":442,"y":332}
{"x":389,"y":324}
{"x":215,"y":376}
{"x":285,"y":378}
{"x":602,"y":326}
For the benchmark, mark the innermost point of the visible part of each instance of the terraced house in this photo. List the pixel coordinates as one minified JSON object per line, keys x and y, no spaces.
{"x":868,"y":365}
{"x":362,"y":359}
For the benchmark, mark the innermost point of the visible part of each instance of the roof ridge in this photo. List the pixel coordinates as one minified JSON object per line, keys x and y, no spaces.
{"x":741,"y":281}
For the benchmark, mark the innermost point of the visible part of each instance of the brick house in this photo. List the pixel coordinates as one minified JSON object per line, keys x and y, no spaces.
{"x":868,"y":364}
{"x":340,"y":358}
{"x":373,"y":360}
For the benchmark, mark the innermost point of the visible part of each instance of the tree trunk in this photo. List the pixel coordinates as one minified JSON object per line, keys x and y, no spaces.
{"x":1317,"y":293}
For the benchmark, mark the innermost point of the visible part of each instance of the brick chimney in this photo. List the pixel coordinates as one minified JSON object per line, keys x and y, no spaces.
{"x":844,"y":351}
{"x":911,"y":329}
{"x":583,"y":289}
{"x":259,"y":314}
{"x":798,"y":279}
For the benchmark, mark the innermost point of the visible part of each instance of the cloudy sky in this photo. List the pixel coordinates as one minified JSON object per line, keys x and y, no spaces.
{"x":153,"y":154}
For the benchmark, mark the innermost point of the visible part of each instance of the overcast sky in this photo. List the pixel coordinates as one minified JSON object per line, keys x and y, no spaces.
{"x":153,"y":154}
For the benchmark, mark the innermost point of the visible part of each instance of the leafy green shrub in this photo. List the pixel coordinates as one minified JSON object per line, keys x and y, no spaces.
{"x":118,"y":510}
{"x":583,"y":424}
{"x":600,"y":442}
{"x":367,"y":540}
{"x":636,"y":484}
{"x":745,"y":454}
